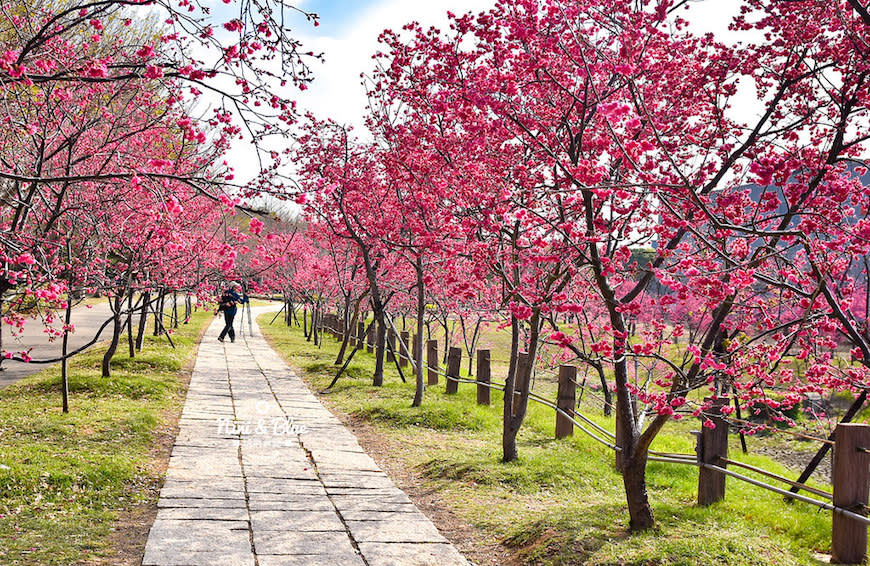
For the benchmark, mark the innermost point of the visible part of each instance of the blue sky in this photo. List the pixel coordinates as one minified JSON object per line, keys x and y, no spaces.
{"x":335,"y":15}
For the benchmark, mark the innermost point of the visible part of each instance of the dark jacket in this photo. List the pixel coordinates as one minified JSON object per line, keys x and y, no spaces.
{"x":229,"y":300}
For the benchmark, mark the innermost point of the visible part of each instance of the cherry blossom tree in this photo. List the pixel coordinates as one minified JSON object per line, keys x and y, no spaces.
{"x":98,"y":110}
{"x":607,"y":126}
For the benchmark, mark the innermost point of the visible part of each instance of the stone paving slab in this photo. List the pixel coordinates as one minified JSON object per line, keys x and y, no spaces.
{"x":261,"y":473}
{"x":199,"y":502}
{"x":309,"y":559}
{"x":392,"y":554}
{"x":296,"y":542}
{"x":298,"y":521}
{"x":170,"y":557}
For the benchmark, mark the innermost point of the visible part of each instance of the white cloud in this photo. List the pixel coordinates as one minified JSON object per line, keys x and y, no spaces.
{"x":336,"y":92}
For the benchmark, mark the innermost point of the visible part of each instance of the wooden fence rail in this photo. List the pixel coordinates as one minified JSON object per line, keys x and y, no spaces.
{"x":851,"y":473}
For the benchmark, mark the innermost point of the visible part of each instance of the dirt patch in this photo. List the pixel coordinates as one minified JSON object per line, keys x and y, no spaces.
{"x":794,"y":459}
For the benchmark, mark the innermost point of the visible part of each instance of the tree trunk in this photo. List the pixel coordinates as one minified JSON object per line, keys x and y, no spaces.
{"x":634,"y":480}
{"x":130,"y":343}
{"x":143,"y":319}
{"x":509,"y":436}
{"x":158,"y":313}
{"x":380,"y":345}
{"x":608,"y":395}
{"x":64,"y":366}
{"x":444,"y":324}
{"x":305,"y":323}
{"x":523,"y":377}
{"x":632,"y":460}
{"x":349,"y":328}
{"x":418,"y":348}
{"x":116,"y":335}
{"x":1,"y":329}
{"x":378,"y":311}
{"x":345,"y":316}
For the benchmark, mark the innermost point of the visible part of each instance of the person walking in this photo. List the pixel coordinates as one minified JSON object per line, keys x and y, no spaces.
{"x":228,"y":304}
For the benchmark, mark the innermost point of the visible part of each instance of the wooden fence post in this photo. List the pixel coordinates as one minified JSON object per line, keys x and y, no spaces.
{"x":371,"y":337}
{"x":483,"y":377}
{"x":432,"y":362}
{"x":566,"y":400}
{"x":524,"y":373}
{"x":851,"y":485}
{"x":712,"y":445}
{"x":360,"y":335}
{"x":391,"y":348}
{"x":405,"y":338}
{"x":415,"y":348}
{"x":454,"y":359}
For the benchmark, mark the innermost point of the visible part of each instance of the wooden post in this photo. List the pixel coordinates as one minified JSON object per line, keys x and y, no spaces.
{"x":524,"y":373}
{"x":567,"y":400}
{"x":405,"y":338}
{"x":432,"y":362}
{"x":370,"y":338}
{"x":454,"y":359}
{"x":851,"y":485}
{"x":712,"y":445}
{"x":483,"y":377}
{"x":391,"y":340}
{"x":360,"y":335}
{"x":415,"y":348}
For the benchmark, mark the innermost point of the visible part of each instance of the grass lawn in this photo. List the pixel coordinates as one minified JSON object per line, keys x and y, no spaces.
{"x":65,"y":480}
{"x":563,"y":502}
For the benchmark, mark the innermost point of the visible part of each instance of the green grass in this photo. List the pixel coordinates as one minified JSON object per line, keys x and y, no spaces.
{"x":70,"y":475}
{"x":563,"y":502}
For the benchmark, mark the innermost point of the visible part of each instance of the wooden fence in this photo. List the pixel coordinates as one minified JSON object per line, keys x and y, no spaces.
{"x":851,"y":473}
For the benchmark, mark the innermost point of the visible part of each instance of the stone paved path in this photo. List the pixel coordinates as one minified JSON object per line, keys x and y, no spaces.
{"x":246,"y":485}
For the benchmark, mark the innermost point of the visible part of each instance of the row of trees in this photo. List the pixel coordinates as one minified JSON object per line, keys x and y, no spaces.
{"x":117,"y":118}
{"x":575,"y":171}
{"x":524,"y":160}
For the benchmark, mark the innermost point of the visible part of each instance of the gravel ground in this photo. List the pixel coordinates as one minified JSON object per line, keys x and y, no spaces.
{"x":794,"y":455}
